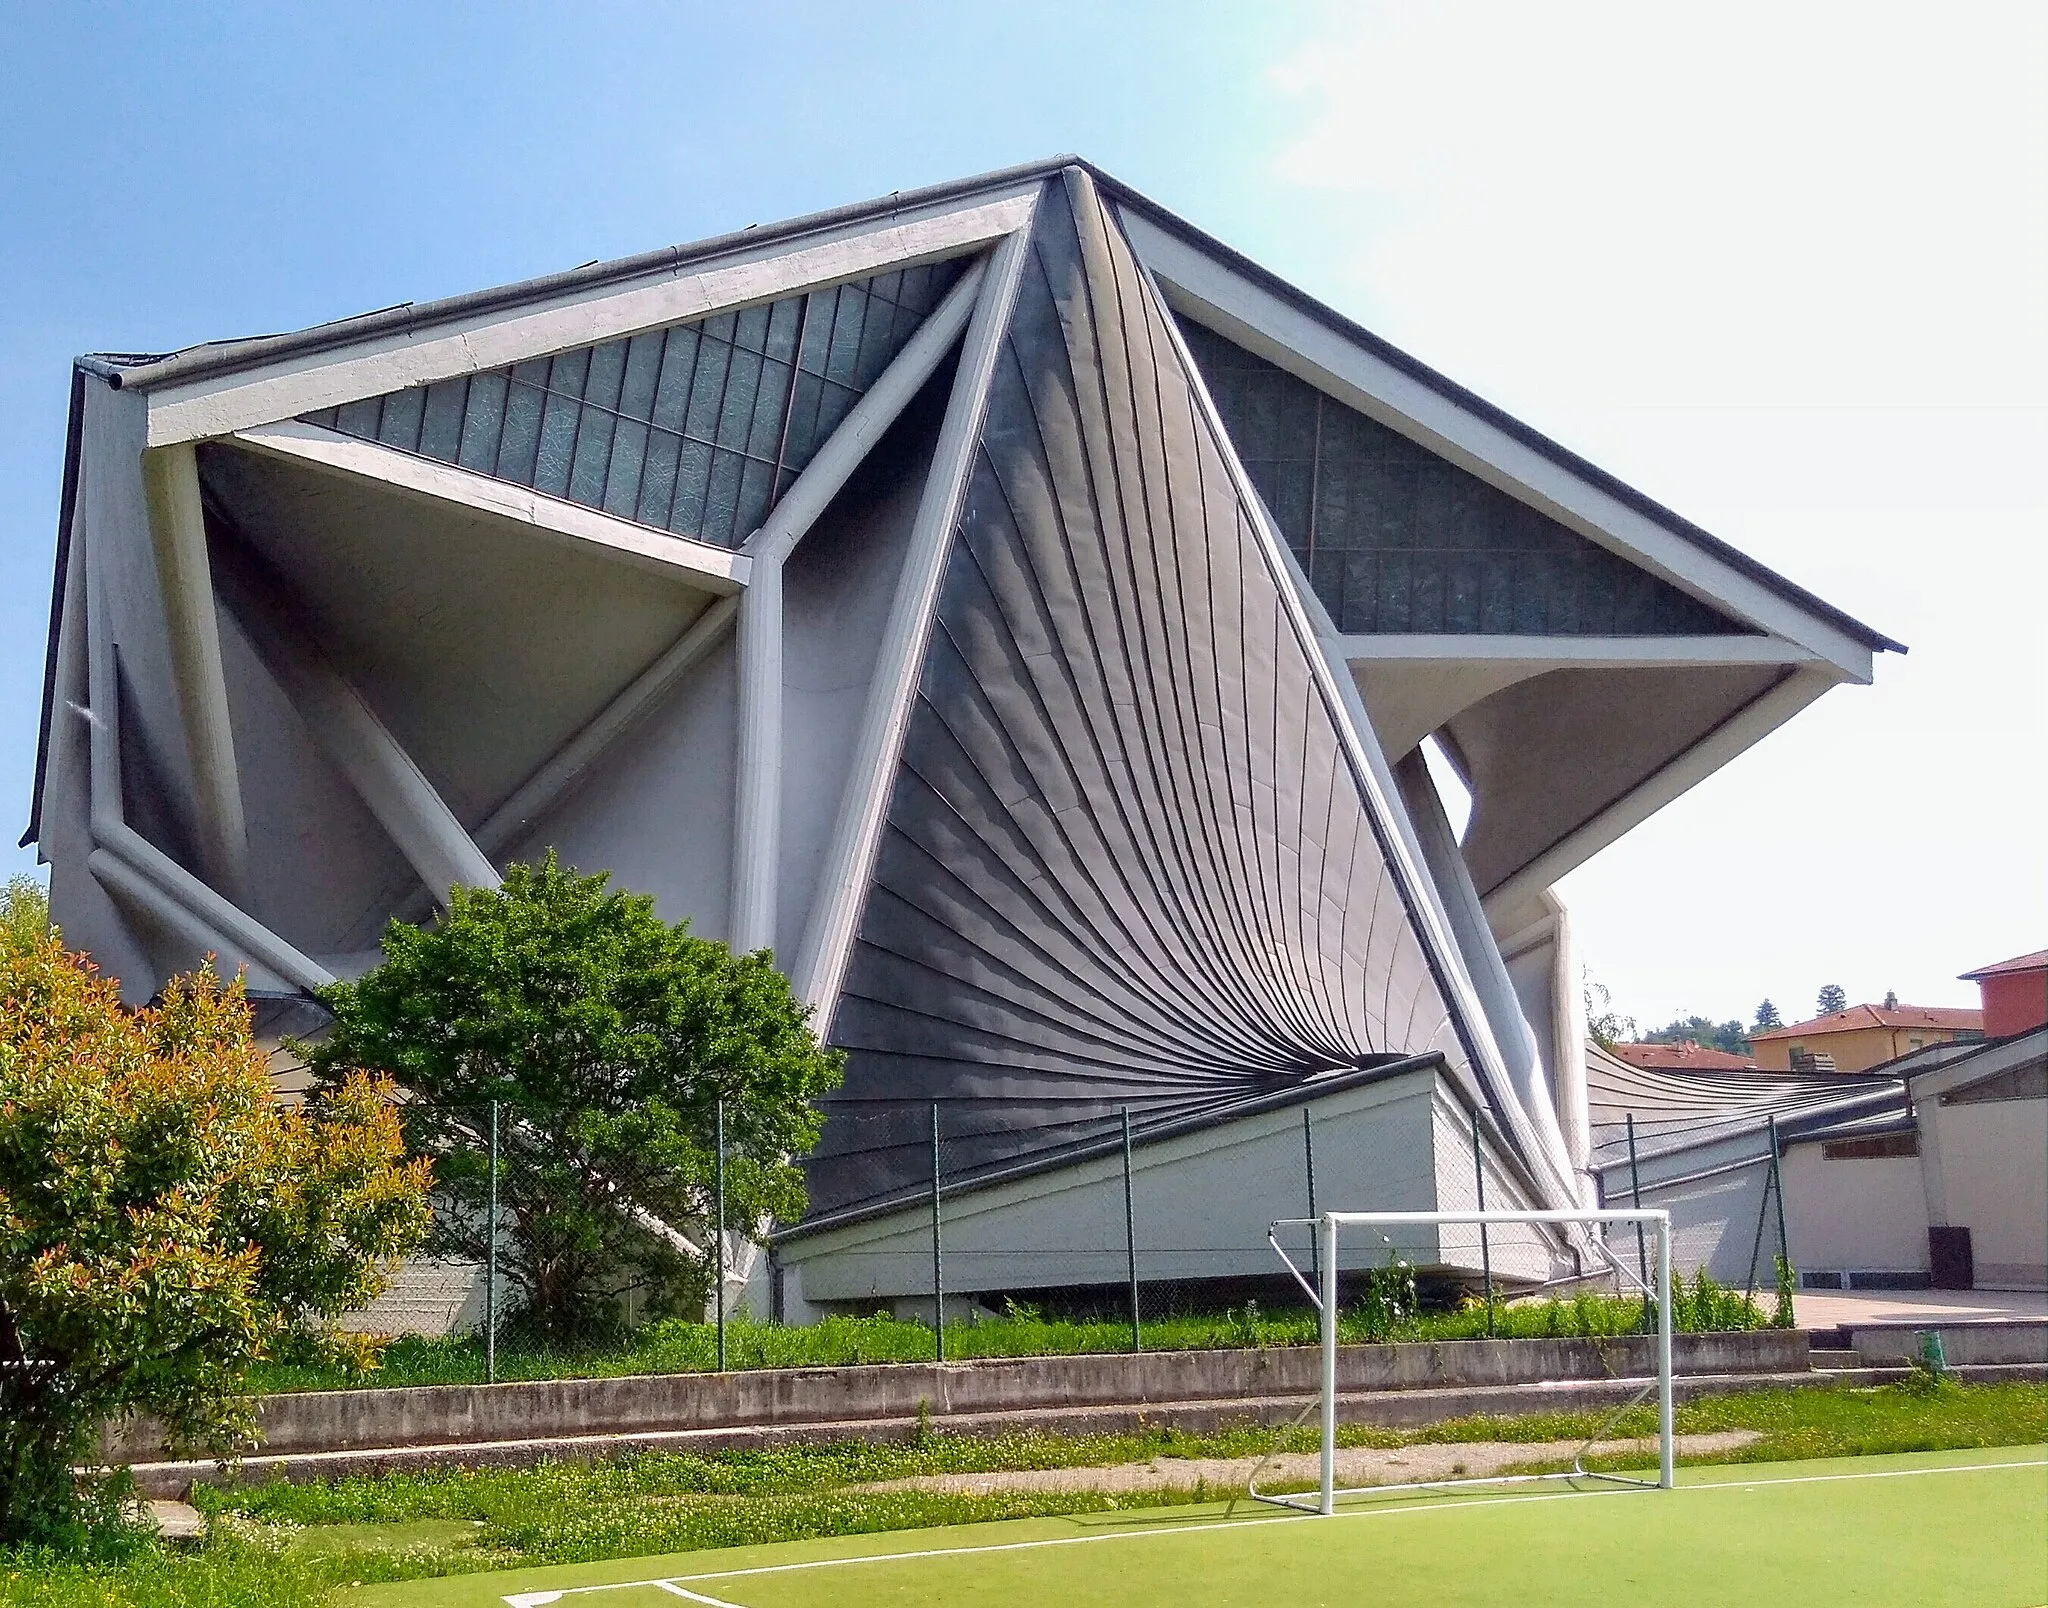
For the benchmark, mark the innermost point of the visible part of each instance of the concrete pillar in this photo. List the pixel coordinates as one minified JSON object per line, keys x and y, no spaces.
{"x":177,"y":530}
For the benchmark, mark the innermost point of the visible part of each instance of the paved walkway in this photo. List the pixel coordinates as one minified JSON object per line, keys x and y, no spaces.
{"x":1828,"y":1309}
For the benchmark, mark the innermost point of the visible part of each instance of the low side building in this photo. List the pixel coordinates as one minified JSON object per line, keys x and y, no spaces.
{"x":1931,"y":1170}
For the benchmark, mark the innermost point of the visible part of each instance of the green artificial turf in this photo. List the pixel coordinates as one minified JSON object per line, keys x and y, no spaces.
{"x":1933,"y":1530}
{"x":292,"y":1545}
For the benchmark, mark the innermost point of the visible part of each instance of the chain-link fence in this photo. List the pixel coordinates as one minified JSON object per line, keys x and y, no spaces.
{"x":1156,"y":1235}
{"x":565,"y":1241}
{"x":1140,"y":1233}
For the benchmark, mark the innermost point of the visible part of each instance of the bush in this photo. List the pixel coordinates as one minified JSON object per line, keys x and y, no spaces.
{"x":608,"y":1038}
{"x":164,"y":1223}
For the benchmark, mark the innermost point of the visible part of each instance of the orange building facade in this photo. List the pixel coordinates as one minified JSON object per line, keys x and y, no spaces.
{"x":1864,"y":1036}
{"x":2014,"y":992}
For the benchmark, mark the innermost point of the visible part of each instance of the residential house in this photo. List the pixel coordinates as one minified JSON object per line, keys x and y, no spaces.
{"x":1860,"y":1037}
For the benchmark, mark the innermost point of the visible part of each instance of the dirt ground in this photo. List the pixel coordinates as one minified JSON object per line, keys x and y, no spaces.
{"x":1359,"y":1465}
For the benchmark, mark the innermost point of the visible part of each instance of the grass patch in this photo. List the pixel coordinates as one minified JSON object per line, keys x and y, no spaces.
{"x":675,"y":1345}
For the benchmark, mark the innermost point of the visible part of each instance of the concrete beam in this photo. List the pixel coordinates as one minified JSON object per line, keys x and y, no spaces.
{"x":348,"y":731}
{"x":757,"y":837}
{"x":1536,"y":654}
{"x":715,"y":569}
{"x":206,"y":910}
{"x":828,"y":939}
{"x":177,"y":531}
{"x":306,"y":382}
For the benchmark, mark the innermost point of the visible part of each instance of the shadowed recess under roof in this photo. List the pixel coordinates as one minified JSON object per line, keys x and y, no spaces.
{"x":1126,"y":861}
{"x":696,"y":429}
{"x":1397,"y":540}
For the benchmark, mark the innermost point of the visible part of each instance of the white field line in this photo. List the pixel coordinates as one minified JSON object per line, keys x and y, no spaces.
{"x":672,"y":1583}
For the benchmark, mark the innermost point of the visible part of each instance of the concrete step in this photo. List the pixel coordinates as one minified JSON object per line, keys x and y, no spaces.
{"x":1824,"y":1358}
{"x":1393,"y":1409}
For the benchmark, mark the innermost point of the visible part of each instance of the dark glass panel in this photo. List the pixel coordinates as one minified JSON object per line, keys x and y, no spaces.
{"x":1457,"y":555}
{"x":672,"y":390}
{"x":784,"y":320}
{"x":707,"y":391}
{"x":568,"y":371}
{"x":622,"y":479}
{"x":643,"y":369}
{"x":842,"y":359}
{"x":400,"y":426}
{"x":630,"y":425}
{"x":771,"y":407}
{"x":441,"y":423}
{"x":607,"y":374}
{"x":593,"y":456}
{"x":722,"y":498}
{"x":750,"y":330}
{"x":736,"y":414}
{"x":483,"y":416}
{"x":360,"y":418}
{"x":557,"y":445}
{"x":757,"y":482}
{"x":817,"y":341}
{"x":658,"y":479}
{"x":519,"y":446}
{"x":693,"y":480}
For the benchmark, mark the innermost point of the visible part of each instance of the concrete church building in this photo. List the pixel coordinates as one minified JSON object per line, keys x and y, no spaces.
{"x":1012,"y":607}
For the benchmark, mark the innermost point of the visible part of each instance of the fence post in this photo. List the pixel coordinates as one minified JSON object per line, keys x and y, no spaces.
{"x":719,"y":1118}
{"x":1485,"y":1243}
{"x":491,"y":1263}
{"x":938,"y":1255}
{"x":1308,"y":1158}
{"x":1763,"y":1210}
{"x":1778,"y":1191}
{"x":1131,"y":1239}
{"x":1635,"y":1199}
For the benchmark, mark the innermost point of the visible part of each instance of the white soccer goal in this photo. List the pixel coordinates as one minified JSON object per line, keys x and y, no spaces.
{"x":1328,"y":1228}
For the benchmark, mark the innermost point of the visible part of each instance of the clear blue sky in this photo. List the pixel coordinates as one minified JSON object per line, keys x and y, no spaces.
{"x":1780,"y":266}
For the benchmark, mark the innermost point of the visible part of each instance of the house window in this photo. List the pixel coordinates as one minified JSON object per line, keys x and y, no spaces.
{"x":1882,"y":1147}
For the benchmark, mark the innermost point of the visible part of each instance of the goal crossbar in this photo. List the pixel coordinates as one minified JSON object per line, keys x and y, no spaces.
{"x":1324,"y":1299}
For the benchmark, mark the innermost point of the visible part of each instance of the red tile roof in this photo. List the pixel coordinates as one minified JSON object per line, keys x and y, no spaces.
{"x":1950,"y":1017}
{"x":2037,"y":961}
{"x":1686,"y":1056}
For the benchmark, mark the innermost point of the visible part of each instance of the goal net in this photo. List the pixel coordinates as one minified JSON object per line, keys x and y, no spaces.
{"x":1335,"y":1231}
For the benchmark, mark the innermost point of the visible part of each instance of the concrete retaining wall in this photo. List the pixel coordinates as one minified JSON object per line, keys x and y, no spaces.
{"x":453,"y":1414}
{"x":2017,"y":1340}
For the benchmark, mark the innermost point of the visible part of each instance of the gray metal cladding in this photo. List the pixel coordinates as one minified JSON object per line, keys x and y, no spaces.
{"x":1126,"y":860}
{"x":1395,"y":539}
{"x":695,"y":429}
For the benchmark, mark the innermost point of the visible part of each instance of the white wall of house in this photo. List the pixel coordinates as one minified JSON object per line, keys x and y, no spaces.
{"x":1989,"y":1174}
{"x":1202,"y":1202}
{"x":1864,"y":1214}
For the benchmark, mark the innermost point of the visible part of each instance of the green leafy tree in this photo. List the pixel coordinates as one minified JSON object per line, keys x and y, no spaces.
{"x":1767,"y":1018}
{"x":1832,"y":998}
{"x":164,"y":1221}
{"x":1607,"y":1026}
{"x":1727,"y":1036}
{"x":607,"y":1037}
